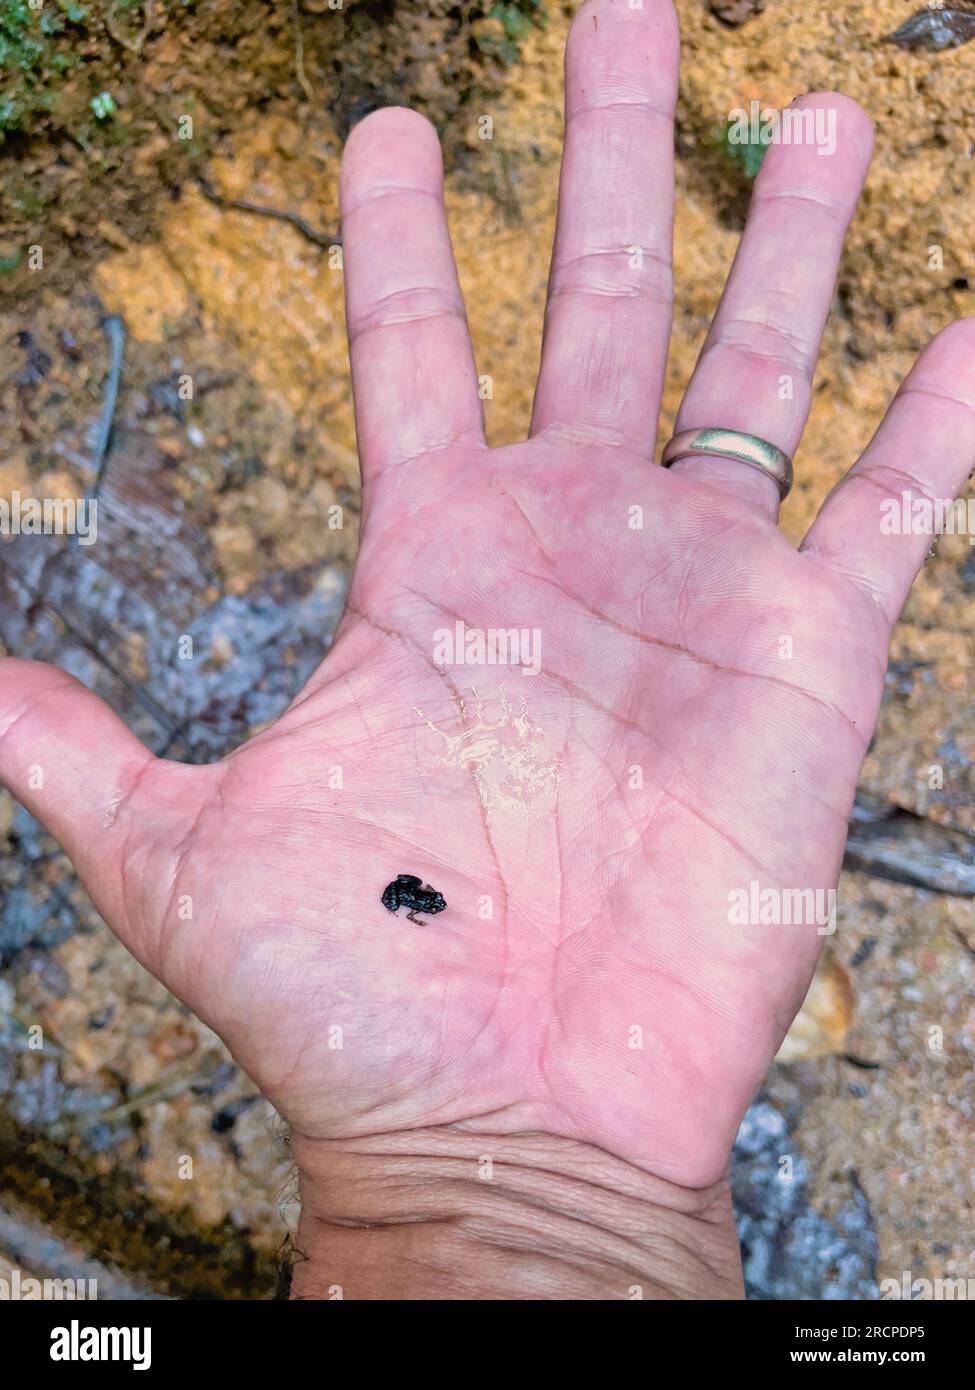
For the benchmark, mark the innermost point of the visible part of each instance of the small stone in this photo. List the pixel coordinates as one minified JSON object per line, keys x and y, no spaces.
{"x":41,"y":977}
{"x":935,"y":29}
{"x":735,"y":12}
{"x":175,"y":1042}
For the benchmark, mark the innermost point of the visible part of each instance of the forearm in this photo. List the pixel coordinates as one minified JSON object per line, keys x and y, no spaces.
{"x":450,"y":1213}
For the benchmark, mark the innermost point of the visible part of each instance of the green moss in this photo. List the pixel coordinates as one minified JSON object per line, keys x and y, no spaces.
{"x":103,"y":105}
{"x":513,"y":19}
{"x":745,"y":155}
{"x":24,"y":197}
{"x":35,"y":54}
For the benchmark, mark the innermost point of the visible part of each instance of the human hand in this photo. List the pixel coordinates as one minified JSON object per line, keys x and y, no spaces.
{"x":586,"y":824}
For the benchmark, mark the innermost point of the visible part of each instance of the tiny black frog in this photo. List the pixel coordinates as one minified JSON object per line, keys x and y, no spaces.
{"x":406,"y":890}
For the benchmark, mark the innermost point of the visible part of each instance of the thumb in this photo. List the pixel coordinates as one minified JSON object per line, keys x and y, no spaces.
{"x":73,"y":764}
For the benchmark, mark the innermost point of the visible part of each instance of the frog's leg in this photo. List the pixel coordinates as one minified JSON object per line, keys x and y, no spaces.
{"x":418,"y":920}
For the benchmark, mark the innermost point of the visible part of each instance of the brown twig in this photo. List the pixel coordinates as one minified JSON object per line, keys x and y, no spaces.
{"x":134,"y":45}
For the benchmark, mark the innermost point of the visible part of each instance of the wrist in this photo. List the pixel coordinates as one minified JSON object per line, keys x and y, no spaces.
{"x":452,"y":1213}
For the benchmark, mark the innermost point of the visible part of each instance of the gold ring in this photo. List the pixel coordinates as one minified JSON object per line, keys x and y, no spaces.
{"x":732,"y":444}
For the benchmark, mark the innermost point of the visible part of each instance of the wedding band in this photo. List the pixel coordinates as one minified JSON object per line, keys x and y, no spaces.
{"x":732,"y":444}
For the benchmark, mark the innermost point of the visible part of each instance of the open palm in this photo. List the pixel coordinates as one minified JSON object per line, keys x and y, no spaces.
{"x":703,"y":699}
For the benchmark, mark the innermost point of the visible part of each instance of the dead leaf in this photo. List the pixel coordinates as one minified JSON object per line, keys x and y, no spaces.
{"x":821,"y":1025}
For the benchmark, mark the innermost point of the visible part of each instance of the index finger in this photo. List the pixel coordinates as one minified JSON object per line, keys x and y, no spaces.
{"x":413,"y":372}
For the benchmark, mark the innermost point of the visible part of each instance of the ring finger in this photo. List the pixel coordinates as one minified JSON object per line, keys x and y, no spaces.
{"x":755,"y":369}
